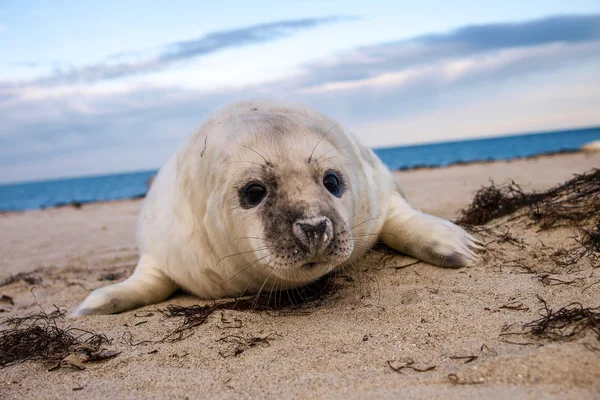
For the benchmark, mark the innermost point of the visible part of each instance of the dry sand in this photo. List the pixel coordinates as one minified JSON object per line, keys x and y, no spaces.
{"x":339,"y":349}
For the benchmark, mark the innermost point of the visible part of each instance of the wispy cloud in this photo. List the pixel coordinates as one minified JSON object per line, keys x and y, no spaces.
{"x":465,"y":42}
{"x":511,"y":74}
{"x":183,"y":50}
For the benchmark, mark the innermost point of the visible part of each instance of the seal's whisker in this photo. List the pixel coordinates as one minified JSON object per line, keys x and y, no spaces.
{"x":268,"y":162}
{"x":373,"y":234}
{"x":254,"y":277}
{"x":292,"y":299}
{"x":243,"y":268}
{"x":244,"y":252}
{"x":364,"y":247}
{"x":270,"y":293}
{"x":257,"y":297}
{"x":250,"y":162}
{"x":357,"y":225}
{"x":370,"y":244}
{"x":348,"y":220}
{"x":330,"y":150}
{"x":329,"y":158}
{"x":316,"y":145}
{"x":252,"y":237}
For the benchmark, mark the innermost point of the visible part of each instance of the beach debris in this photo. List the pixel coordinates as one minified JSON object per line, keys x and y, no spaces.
{"x":37,"y":336}
{"x":515,"y":306}
{"x":467,"y":359}
{"x":312,"y":295}
{"x":6,"y":303}
{"x":72,"y":360}
{"x":548,"y":280}
{"x":111,"y":276}
{"x":178,"y":356}
{"x":571,"y":203}
{"x":565,"y":324}
{"x":143,"y":314}
{"x":74,"y":203}
{"x":28,"y":277}
{"x":239,"y":343}
{"x":83,"y":353}
{"x":398,"y":366}
{"x":574,"y":204}
{"x":485,"y":350}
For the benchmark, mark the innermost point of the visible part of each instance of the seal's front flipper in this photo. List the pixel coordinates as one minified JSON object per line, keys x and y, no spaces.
{"x":428,"y":238}
{"x":147,"y":285}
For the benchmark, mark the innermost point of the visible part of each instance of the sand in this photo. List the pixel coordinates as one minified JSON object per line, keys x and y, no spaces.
{"x":341,"y":348}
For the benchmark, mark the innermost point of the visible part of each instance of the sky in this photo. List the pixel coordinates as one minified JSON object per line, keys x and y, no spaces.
{"x":94,"y":87}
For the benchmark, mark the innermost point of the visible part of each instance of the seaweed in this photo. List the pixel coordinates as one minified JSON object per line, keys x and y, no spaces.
{"x":407,"y":364}
{"x":28,"y":277}
{"x":239,"y":344}
{"x":574,"y":204}
{"x":565,"y":324}
{"x":37,"y":336}
{"x":195,"y":315}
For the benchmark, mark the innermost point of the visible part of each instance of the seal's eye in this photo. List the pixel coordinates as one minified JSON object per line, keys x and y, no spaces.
{"x":334,"y":183}
{"x":253,"y":193}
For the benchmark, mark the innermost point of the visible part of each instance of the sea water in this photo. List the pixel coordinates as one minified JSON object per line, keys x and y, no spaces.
{"x":52,"y":193}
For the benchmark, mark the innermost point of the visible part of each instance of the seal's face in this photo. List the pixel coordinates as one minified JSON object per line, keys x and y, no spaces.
{"x":295,"y":206}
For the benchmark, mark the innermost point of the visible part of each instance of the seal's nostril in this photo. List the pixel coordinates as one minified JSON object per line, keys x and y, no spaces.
{"x":314,"y":229}
{"x":314,"y":233}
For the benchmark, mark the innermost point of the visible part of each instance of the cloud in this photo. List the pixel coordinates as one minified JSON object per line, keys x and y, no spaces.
{"x":485,"y":79}
{"x":182,"y":50}
{"x":463,"y":42}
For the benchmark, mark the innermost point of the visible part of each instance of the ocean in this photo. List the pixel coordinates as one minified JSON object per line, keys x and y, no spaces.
{"x":53,"y":193}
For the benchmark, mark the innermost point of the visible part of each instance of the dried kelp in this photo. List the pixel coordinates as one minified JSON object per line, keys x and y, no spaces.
{"x":572,"y":203}
{"x":237,"y":344}
{"x":37,"y":336}
{"x":311,"y":295}
{"x":565,"y":324}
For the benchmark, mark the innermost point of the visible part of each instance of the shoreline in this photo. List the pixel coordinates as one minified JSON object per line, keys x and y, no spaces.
{"x":490,"y":160}
{"x":77,"y":204}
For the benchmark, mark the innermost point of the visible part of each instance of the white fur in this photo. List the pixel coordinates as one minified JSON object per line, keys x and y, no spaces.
{"x":192,"y":228}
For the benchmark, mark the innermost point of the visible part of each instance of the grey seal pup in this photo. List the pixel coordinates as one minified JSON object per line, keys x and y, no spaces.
{"x":268,"y":195}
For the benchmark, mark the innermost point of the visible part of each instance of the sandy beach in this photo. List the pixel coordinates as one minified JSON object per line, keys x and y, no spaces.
{"x":390,"y":331}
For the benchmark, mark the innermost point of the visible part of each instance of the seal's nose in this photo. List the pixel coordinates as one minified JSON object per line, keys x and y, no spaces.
{"x":314,"y":233}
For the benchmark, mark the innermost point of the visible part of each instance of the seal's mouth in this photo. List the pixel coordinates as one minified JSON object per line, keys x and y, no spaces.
{"x":310,"y":265}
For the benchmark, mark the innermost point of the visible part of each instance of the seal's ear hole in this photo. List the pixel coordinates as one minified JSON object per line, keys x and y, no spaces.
{"x":253,"y":193}
{"x":333,"y":182}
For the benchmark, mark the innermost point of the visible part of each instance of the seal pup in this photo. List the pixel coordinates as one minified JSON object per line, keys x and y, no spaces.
{"x":268,"y":196}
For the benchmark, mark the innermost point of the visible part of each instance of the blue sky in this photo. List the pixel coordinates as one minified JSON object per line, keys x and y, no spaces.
{"x":101,"y":87}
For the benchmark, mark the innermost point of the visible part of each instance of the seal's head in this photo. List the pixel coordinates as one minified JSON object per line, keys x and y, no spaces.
{"x":287,"y":206}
